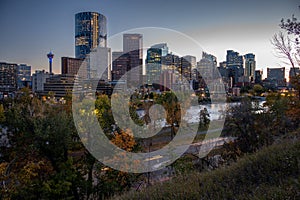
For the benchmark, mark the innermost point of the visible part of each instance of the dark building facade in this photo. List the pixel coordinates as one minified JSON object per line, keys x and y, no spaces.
{"x":258,"y":76}
{"x":293,"y":72}
{"x":185,"y":69}
{"x":250,"y":65}
{"x":59,"y":84}
{"x":90,"y":32}
{"x":71,"y":66}
{"x":120,"y":63}
{"x":234,"y":64}
{"x":133,"y":46}
{"x":8,"y":77}
{"x":276,"y":77}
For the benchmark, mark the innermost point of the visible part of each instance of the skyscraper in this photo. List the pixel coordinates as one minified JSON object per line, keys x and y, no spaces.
{"x":191,"y":60}
{"x":90,"y":32}
{"x":133,"y":45}
{"x":8,"y":77}
{"x":154,"y":61}
{"x":234,"y":63}
{"x":276,"y":76}
{"x":258,"y":76}
{"x":250,"y":65}
{"x":207,"y":66}
{"x":120,"y":62}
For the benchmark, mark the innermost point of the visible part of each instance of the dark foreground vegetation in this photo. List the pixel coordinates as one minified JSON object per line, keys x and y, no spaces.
{"x":272,"y":173}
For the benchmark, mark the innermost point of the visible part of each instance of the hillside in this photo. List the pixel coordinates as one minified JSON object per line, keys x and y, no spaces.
{"x":272,"y":173}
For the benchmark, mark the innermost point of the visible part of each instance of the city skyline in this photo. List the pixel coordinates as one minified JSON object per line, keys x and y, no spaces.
{"x":218,"y":26}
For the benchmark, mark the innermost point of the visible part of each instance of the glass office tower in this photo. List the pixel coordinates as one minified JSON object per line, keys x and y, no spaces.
{"x":90,"y":32}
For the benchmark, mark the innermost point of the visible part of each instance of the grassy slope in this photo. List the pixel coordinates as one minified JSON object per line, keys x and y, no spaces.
{"x":272,"y":173}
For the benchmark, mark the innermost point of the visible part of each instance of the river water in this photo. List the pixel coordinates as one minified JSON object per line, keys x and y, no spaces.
{"x":216,"y":111}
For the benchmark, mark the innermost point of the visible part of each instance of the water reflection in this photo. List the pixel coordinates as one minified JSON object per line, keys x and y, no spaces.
{"x":217,"y":111}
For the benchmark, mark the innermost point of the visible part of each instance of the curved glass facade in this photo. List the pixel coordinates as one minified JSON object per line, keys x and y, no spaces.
{"x":90,"y":32}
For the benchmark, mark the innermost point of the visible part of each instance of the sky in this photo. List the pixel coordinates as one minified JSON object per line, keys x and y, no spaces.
{"x":31,"y":28}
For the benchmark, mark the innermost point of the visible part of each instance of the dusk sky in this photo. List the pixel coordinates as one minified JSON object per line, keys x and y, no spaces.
{"x":30,"y":28}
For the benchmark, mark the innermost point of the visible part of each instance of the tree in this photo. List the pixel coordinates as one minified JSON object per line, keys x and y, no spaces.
{"x":258,"y":89}
{"x":288,"y":46}
{"x":204,"y":118}
{"x":111,"y":181}
{"x":173,"y":110}
{"x":104,"y":113}
{"x":249,"y":126}
{"x":38,"y":163}
{"x":2,"y":114}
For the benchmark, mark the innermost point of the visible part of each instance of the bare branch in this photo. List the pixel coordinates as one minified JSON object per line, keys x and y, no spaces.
{"x":283,"y":47}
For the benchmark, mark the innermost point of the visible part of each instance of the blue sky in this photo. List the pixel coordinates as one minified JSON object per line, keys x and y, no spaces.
{"x":30,"y":28}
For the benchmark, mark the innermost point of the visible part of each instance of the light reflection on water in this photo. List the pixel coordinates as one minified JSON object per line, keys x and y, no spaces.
{"x":216,"y":111}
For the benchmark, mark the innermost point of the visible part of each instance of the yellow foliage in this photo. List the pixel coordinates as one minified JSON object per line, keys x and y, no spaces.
{"x":124,"y":140}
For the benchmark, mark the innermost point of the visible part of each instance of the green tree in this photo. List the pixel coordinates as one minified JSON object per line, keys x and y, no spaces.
{"x":173,"y":112}
{"x":258,"y":89}
{"x":243,"y":122}
{"x":204,"y":118}
{"x":38,"y":163}
{"x":104,"y":113}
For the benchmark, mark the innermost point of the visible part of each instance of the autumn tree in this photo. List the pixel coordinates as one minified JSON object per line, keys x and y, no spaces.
{"x":287,"y":45}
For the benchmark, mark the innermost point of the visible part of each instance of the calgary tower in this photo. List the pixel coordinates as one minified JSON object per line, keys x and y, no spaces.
{"x":50,"y":56}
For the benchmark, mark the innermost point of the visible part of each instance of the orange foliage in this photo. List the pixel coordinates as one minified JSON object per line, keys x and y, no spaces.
{"x":124,"y":140}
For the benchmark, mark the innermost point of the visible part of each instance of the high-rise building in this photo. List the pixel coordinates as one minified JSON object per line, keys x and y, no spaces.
{"x":72,"y":65}
{"x":133,"y":45}
{"x":223,"y":69}
{"x":191,"y":60}
{"x":188,"y":63}
{"x":24,"y":76}
{"x":250,"y":65}
{"x":207,"y":66}
{"x":101,"y":60}
{"x":154,"y":61}
{"x":234,"y":64}
{"x":171,"y":62}
{"x":120,"y":62}
{"x":38,"y":80}
{"x":8,"y":77}
{"x":276,"y":76}
{"x":258,"y":76}
{"x":233,"y":59}
{"x":90,"y":32}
